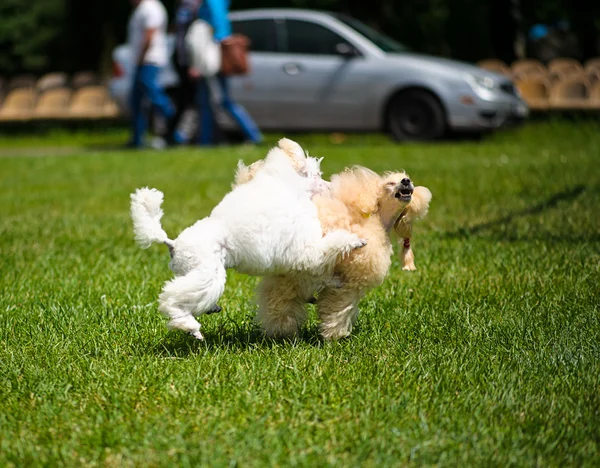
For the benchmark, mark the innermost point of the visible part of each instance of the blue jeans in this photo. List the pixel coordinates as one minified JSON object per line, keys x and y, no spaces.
{"x":207,"y":114}
{"x":145,"y":85}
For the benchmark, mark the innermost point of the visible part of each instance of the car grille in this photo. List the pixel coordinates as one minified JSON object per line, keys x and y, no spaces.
{"x":509,"y":88}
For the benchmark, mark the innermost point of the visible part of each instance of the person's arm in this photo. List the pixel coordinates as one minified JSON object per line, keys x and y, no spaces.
{"x":221,"y":23}
{"x":153,"y":19}
{"x":146,"y":40}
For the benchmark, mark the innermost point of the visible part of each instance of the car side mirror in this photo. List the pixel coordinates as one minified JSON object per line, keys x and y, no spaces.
{"x":346,"y":50}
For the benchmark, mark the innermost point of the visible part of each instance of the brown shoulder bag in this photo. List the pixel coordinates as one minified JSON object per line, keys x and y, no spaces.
{"x":234,"y":55}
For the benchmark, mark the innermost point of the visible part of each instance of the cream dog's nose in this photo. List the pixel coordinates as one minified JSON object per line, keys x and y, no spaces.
{"x":405,"y":189}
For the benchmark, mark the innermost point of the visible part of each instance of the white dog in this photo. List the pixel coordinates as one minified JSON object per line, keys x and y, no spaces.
{"x":267,"y":226}
{"x":307,"y":167}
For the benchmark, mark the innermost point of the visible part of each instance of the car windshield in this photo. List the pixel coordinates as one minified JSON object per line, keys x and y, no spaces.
{"x":385,"y":43}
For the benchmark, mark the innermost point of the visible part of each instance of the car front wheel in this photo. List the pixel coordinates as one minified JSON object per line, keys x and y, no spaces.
{"x":416,"y":115}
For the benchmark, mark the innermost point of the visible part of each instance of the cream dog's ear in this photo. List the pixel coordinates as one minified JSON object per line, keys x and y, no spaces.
{"x":291,"y":148}
{"x":294,"y":152}
{"x":416,"y":209}
{"x":245,"y":173}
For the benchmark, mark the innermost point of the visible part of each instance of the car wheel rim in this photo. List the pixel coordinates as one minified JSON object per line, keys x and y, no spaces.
{"x":414,"y":120}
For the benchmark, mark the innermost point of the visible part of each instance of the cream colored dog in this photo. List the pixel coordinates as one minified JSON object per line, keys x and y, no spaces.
{"x":370,"y":206}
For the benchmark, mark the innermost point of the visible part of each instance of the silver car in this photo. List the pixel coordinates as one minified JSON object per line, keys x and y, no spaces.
{"x":329,"y":72}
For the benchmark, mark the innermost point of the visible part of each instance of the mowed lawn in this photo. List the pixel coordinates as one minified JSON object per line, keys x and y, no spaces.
{"x":488,"y":355}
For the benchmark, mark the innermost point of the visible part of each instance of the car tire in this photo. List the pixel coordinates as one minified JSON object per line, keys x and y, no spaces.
{"x":416,"y":115}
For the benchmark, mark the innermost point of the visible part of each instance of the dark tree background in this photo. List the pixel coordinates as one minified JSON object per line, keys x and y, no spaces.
{"x":70,"y":35}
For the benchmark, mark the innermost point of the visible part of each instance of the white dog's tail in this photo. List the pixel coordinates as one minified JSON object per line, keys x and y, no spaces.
{"x":146,"y":214}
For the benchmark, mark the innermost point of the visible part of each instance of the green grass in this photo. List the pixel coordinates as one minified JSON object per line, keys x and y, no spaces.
{"x":488,"y":355}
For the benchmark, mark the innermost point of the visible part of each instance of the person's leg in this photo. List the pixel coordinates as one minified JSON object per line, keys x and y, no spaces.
{"x":189,"y":105}
{"x":182,"y":102}
{"x":156,"y":94}
{"x":206,"y":114}
{"x":239,"y":114}
{"x":189,"y":90}
{"x":138,"y":119}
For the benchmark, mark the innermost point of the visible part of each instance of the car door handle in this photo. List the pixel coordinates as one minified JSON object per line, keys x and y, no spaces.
{"x":292,"y":68}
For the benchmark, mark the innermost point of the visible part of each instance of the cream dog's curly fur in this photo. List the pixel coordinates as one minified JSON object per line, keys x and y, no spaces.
{"x":266,"y":226}
{"x":370,"y":206}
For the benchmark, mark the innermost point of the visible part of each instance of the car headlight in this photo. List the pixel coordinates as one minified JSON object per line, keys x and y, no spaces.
{"x":482,"y":82}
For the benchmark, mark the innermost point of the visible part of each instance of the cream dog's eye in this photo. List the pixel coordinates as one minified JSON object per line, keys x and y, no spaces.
{"x":391,"y":184}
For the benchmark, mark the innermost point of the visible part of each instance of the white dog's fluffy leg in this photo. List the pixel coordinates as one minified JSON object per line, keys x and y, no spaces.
{"x":146,"y":214}
{"x":337,"y":310}
{"x":320,"y":257}
{"x":281,"y":307}
{"x":190,"y":295}
{"x":336,"y":243}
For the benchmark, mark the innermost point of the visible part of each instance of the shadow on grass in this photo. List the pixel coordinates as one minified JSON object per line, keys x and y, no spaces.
{"x":545,"y":205}
{"x":243,"y":338}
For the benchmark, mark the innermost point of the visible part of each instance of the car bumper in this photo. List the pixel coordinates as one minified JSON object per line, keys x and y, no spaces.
{"x":476,"y":114}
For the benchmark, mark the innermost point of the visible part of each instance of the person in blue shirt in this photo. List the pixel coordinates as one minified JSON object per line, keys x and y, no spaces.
{"x":215,"y":13}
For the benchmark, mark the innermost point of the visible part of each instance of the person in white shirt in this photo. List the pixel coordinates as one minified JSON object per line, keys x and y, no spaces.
{"x":147,"y":39}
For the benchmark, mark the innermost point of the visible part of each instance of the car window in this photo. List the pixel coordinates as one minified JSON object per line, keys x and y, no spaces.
{"x":385,"y":43}
{"x":304,"y":37}
{"x":260,"y":31}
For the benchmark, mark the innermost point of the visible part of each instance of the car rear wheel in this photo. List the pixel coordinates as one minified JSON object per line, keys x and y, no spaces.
{"x":416,"y":115}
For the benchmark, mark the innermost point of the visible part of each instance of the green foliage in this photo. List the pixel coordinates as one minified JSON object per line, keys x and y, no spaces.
{"x":485,"y":356}
{"x":72,"y":35}
{"x":30,"y":33}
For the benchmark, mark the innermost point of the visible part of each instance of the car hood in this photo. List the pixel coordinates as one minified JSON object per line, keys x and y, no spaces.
{"x":441,"y":66}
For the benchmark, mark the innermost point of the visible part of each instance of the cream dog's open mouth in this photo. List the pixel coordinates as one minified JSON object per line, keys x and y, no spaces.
{"x":405,"y":190}
{"x":404,"y":194}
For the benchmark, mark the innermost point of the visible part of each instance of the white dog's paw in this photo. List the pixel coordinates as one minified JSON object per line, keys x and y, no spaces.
{"x":338,"y":243}
{"x":354,"y":243}
{"x":360,"y":243}
{"x":346,"y":240}
{"x":196,"y":334}
{"x":214,"y":309}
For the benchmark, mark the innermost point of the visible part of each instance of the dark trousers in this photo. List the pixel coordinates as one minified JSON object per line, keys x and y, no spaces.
{"x":237,"y":112}
{"x":185,"y":97}
{"x":145,"y":86}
